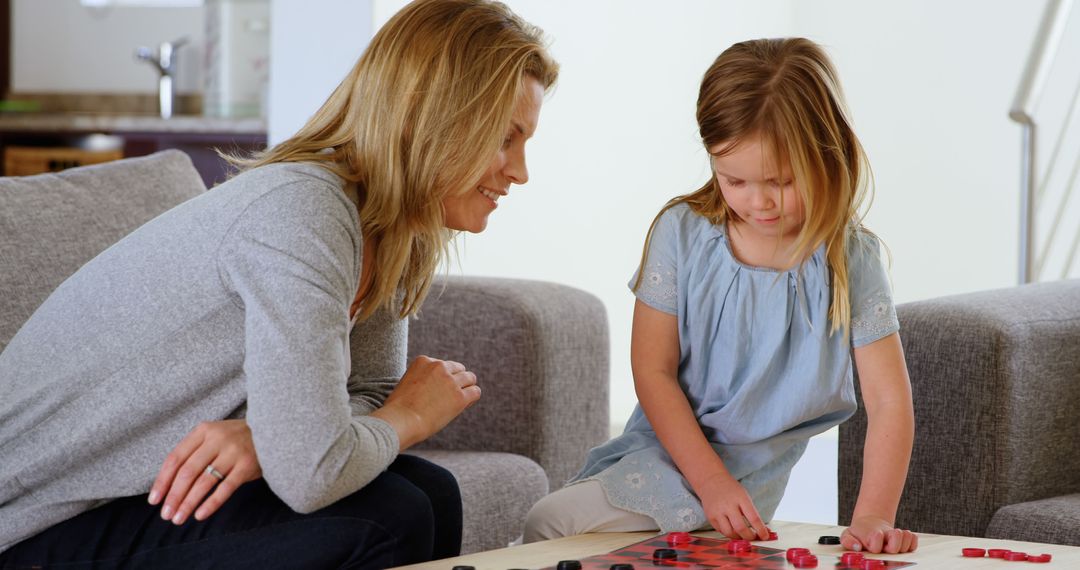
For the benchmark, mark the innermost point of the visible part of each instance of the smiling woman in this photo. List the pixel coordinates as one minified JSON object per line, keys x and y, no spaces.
{"x":469,"y":211}
{"x":266,"y":320}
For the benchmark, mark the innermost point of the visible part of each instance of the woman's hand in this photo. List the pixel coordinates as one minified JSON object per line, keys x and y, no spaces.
{"x":872,"y":534}
{"x":431,"y":393}
{"x":730,"y":510}
{"x":185,"y":478}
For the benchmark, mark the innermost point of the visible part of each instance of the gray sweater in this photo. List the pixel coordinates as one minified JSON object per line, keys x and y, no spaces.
{"x":235,"y":300}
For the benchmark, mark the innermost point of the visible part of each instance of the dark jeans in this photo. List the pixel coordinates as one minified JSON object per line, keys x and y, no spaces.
{"x":409,"y":514}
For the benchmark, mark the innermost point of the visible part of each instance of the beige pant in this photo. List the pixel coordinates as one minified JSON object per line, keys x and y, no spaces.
{"x":578,"y":509}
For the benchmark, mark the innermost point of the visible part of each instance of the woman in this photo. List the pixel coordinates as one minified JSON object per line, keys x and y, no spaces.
{"x":269,"y":315}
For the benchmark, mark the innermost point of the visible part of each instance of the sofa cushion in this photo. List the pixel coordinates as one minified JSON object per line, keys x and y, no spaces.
{"x":497,"y":491}
{"x":52,"y":224}
{"x":539,"y":350}
{"x":995,"y":378}
{"x":1055,"y":520}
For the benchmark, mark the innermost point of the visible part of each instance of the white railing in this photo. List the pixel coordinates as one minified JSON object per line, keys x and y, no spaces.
{"x":1037,"y":244}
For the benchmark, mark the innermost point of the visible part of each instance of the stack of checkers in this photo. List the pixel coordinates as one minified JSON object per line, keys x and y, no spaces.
{"x":1005,"y":554}
{"x":801,"y":558}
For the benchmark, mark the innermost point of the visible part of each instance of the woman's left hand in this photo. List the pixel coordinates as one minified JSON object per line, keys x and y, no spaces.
{"x":192,"y":470}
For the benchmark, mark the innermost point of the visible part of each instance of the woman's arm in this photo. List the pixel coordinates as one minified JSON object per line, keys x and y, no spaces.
{"x":886,"y":393}
{"x":291,"y":260}
{"x":654,"y":357}
{"x":186,"y":486}
{"x":378,"y":349}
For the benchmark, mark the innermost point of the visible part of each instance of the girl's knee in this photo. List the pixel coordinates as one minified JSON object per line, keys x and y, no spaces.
{"x":578,"y":509}
{"x":549,"y":518}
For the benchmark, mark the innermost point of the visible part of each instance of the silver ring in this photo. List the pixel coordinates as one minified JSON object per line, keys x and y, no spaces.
{"x":214,"y":473}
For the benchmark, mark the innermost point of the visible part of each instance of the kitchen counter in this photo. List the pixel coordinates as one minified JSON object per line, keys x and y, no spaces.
{"x":52,"y":126}
{"x":121,"y":123}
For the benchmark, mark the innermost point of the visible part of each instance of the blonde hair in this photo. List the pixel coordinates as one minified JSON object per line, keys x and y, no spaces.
{"x":418,"y":118}
{"x":787,"y":92}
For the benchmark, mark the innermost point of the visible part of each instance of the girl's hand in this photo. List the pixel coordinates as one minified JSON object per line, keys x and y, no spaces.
{"x":431,"y":394}
{"x":872,"y":534}
{"x":185,"y":478}
{"x":730,"y":510}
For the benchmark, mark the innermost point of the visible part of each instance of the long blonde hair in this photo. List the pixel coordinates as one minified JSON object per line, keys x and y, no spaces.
{"x":787,"y":91}
{"x":418,"y":118}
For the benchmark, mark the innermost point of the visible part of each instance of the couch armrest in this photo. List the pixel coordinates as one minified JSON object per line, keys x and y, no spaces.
{"x":996,"y":385}
{"x":540,"y":352}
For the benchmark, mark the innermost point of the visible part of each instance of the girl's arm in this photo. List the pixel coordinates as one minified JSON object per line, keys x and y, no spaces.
{"x":654,"y":358}
{"x":886,"y":393}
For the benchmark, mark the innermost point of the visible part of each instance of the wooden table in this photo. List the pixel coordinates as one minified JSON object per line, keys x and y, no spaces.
{"x":935,"y":551}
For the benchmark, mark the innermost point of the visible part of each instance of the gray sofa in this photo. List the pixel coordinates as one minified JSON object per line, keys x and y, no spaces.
{"x":540,"y":350}
{"x":996,"y":385}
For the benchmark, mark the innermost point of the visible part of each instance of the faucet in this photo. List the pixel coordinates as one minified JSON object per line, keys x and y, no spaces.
{"x":165,"y":62}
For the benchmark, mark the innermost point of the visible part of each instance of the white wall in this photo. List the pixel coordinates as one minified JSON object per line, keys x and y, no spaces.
{"x":313,"y":45}
{"x":59,"y":46}
{"x":930,"y":85}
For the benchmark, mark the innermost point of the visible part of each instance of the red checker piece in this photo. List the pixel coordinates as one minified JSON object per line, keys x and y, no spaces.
{"x":679,"y":538}
{"x":805,"y":561}
{"x":852,"y":558}
{"x":738,"y":546}
{"x":974,"y":552}
{"x":998,"y":552}
{"x":872,"y":564}
{"x":793,"y":552}
{"x":1016,"y":556}
{"x":1039,"y":558}
{"x":772,"y":536}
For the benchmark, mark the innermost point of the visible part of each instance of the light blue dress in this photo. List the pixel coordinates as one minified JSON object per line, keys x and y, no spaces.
{"x":757,"y":363}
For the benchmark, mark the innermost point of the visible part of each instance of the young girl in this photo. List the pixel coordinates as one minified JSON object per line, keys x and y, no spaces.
{"x":751,"y":294}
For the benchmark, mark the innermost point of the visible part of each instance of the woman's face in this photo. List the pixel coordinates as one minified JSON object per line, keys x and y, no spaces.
{"x":469,"y":212}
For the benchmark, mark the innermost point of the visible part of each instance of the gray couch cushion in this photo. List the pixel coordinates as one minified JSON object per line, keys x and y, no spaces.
{"x":1055,"y":520}
{"x":996,"y":386}
{"x":52,"y":224}
{"x":497,"y":491}
{"x":540,"y":353}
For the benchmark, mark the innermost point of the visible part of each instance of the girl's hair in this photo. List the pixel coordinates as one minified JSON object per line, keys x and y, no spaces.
{"x":787,"y":92}
{"x":419,"y":117}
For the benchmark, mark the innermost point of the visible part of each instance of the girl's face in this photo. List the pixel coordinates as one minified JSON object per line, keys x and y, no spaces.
{"x":469,"y":212}
{"x":754,"y":187}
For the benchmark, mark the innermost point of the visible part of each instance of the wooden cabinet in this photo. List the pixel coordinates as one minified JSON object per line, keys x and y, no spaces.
{"x":36,"y":143}
{"x":28,"y":160}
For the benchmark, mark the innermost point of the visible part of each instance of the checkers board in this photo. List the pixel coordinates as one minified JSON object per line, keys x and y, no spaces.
{"x":709,"y":553}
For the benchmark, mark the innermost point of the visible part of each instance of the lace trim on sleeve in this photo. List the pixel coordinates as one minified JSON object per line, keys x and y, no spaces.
{"x":658,"y":287}
{"x":873,"y":319}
